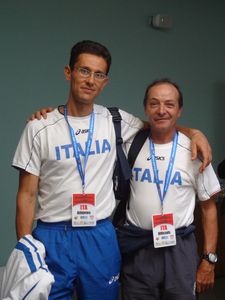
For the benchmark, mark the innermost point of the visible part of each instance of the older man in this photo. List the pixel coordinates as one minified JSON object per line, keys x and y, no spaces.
{"x":164,"y":187}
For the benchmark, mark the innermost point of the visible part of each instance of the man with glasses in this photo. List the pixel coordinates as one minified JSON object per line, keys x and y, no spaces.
{"x":68,"y":160}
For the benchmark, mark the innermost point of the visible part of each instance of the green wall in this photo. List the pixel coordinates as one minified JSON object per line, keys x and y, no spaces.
{"x":36,"y":37}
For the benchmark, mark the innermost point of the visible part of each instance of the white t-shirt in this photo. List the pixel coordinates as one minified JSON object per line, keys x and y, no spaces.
{"x":186,"y":182}
{"x":45,"y":150}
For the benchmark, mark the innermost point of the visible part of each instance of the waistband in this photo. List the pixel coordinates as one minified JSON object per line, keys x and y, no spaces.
{"x":132,"y":229}
{"x":132,"y":238}
{"x":67,"y":225}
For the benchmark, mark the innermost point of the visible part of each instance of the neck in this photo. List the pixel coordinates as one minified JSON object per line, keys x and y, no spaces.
{"x":79,"y":109}
{"x":162,"y":137}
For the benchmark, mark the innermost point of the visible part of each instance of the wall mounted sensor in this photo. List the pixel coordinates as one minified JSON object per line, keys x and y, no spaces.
{"x":161,"y":21}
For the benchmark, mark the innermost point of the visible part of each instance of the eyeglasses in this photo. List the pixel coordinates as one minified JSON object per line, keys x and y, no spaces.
{"x":99,"y":76}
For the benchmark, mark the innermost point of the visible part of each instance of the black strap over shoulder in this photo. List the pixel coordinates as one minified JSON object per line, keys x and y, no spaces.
{"x":125,"y":168}
{"x":124,"y":186}
{"x":136,"y":145}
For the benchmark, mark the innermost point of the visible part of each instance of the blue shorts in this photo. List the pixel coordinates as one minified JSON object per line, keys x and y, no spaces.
{"x":85,"y":259}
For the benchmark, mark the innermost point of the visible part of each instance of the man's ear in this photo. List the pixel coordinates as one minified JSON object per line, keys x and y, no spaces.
{"x":67,"y":73}
{"x":180,"y":112}
{"x":104,"y":83}
{"x":145,"y":111}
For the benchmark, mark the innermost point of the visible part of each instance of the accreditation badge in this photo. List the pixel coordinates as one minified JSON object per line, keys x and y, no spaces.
{"x":83,"y":210}
{"x":164,"y":234}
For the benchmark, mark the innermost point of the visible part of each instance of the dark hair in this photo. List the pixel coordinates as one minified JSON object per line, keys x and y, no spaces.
{"x":91,"y":48}
{"x":161,"y":81}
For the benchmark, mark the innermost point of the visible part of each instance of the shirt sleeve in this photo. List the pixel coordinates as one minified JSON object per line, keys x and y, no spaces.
{"x":27,"y":155}
{"x":130,"y":125}
{"x":207,"y":184}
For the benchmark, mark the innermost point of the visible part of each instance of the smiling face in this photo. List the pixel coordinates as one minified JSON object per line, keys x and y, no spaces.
{"x":162,"y":109}
{"x":84,"y":90}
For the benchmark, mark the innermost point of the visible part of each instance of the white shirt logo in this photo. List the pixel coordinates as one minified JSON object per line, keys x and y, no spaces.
{"x":114,"y":278}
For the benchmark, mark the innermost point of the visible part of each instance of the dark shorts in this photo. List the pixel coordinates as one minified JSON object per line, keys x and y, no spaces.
{"x":161,"y":274}
{"x":85,"y":258}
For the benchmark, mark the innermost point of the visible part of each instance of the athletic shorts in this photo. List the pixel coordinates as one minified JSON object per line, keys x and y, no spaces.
{"x":85,"y":259}
{"x":161,"y":273}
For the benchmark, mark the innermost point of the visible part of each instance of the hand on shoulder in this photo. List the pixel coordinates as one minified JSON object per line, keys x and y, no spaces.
{"x":42,"y":113}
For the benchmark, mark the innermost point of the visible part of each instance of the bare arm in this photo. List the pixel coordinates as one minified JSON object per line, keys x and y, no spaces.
{"x":205,"y":272}
{"x":26,"y":201}
{"x":199,"y":142}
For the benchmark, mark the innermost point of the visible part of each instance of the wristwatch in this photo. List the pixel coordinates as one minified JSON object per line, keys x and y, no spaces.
{"x":210,"y":257}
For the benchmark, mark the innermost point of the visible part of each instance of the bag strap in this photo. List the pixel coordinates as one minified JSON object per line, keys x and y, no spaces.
{"x":135,"y":148}
{"x":136,"y":145}
{"x":116,"y":117}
